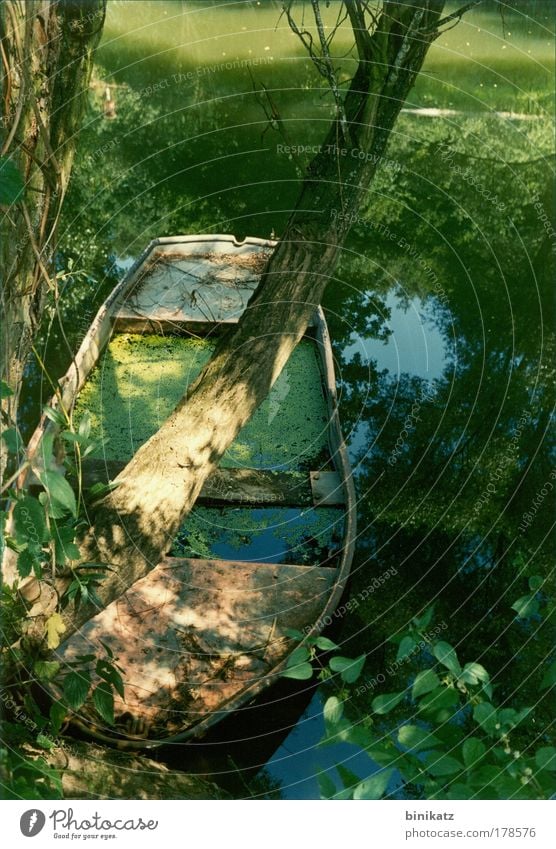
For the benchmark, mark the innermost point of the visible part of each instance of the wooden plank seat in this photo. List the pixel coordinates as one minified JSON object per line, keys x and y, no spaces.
{"x":246,"y":486}
{"x":193,"y":634}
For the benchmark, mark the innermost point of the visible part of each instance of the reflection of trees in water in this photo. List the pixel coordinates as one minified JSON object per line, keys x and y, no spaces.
{"x":444,"y":503}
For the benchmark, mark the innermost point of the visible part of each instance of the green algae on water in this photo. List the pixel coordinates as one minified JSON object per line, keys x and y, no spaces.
{"x":136,"y":385}
{"x":141,"y":378}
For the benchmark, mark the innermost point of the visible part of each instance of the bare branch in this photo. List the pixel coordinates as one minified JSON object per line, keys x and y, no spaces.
{"x":327,"y":69}
{"x":457,"y":15}
{"x":363,"y":40}
{"x":304,"y":36}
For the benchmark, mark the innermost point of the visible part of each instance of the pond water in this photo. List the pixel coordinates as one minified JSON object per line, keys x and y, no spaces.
{"x":441,"y":303}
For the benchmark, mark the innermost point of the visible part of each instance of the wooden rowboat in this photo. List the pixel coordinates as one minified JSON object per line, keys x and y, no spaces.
{"x":268,"y":547}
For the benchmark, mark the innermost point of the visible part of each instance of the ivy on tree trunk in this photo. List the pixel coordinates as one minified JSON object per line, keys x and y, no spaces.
{"x":47,"y":60}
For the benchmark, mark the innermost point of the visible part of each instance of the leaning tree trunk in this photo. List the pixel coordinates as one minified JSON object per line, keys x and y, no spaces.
{"x":47,"y":59}
{"x":92,"y":772}
{"x":133,"y":526}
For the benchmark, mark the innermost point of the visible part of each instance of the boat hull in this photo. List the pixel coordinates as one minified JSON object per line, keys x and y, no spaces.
{"x":201,"y":636}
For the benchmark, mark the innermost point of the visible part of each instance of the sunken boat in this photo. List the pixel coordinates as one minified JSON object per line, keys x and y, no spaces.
{"x":260,"y":564}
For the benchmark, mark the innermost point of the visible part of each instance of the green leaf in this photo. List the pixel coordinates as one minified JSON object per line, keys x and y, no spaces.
{"x":473,"y":673}
{"x":350,"y":669}
{"x":485,"y":715}
{"x":443,"y":698}
{"x":13,"y":440}
{"x":76,"y":687}
{"x":360,"y":736}
{"x":526,"y":605}
{"x":69,"y":436}
{"x":45,"y":453}
{"x":59,"y":491}
{"x":45,"y":742}
{"x":459,"y":791}
{"x":387,"y":702}
{"x":336,"y":733}
{"x":298,"y":655}
{"x":5,"y":391}
{"x":289,"y":632}
{"x":333,"y":710}
{"x":92,"y":446}
{"x":106,"y":670}
{"x":54,"y":510}
{"x":64,"y":547}
{"x":509,"y":718}
{"x":117,"y":682}
{"x":55,"y":416}
{"x":326,"y":785}
{"x":57,"y":714}
{"x":29,"y":520}
{"x":473,"y":750}
{"x":103,"y":701}
{"x":90,"y":564}
{"x":415,"y":738}
{"x":85,"y":426}
{"x":70,"y":551}
{"x":487,"y":690}
{"x":26,"y":562}
{"x":535,"y":582}
{"x":373,"y":787}
{"x":424,"y":621}
{"x":549,"y":678}
{"x":302,"y":672}
{"x":425,"y":682}
{"x":545,"y":758}
{"x":446,"y":655}
{"x":99,"y":490}
{"x":11,"y":182}
{"x":349,"y":778}
{"x":324,"y":644}
{"x":405,"y":648}
{"x":3,"y":521}
{"x":438,"y":764}
{"x":342,"y":795}
{"x":383,"y":755}
{"x":46,"y":670}
{"x":107,"y":648}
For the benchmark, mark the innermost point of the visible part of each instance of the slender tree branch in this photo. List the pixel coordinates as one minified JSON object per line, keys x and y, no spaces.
{"x":363,"y":40}
{"x":457,"y":15}
{"x":327,"y":68}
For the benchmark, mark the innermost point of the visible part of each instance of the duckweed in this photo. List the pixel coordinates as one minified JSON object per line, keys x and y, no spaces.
{"x":141,"y":378}
{"x":135,"y":387}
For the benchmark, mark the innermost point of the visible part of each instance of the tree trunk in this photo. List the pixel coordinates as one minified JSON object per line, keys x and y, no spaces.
{"x":133,"y":526}
{"x":93,"y":772}
{"x":47,"y":59}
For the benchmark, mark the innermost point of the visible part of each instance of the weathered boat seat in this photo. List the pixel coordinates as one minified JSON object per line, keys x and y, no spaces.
{"x":194,"y":634}
{"x":246,"y":486}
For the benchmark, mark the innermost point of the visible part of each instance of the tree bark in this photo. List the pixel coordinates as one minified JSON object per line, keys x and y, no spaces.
{"x":47,"y":59}
{"x":133,"y":526}
{"x":93,"y":772}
